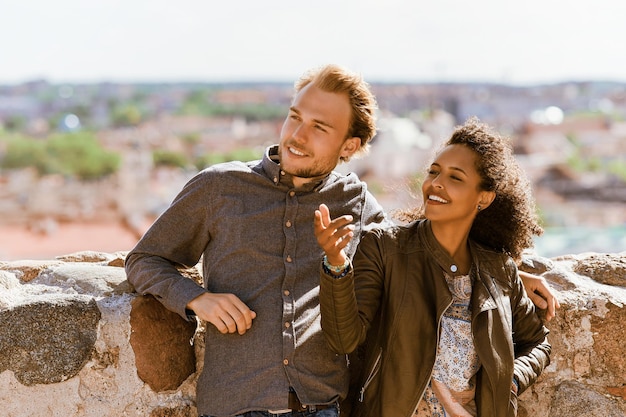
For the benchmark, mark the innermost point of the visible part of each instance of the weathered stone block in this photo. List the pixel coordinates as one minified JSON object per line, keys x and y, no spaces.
{"x":161,"y":340}
{"x":48,"y":340}
{"x":575,"y":399}
{"x":184,"y":411}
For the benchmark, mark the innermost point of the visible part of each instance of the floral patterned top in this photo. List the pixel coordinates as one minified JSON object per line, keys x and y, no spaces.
{"x":452,"y":386}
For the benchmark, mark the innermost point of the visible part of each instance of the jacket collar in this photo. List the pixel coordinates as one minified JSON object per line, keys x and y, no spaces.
{"x":438,"y":253}
{"x":484,"y":288}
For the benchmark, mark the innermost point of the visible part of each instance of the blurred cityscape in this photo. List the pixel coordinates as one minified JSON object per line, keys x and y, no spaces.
{"x":569,"y":137}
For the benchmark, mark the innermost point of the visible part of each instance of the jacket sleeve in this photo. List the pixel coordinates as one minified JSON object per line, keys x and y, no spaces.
{"x":176,"y":239}
{"x":349,"y":304}
{"x":532,"y":349}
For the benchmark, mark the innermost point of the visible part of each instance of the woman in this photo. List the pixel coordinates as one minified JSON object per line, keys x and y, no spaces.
{"x":437,"y":307}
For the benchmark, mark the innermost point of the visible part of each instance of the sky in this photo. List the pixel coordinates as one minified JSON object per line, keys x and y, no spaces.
{"x":514,"y":42}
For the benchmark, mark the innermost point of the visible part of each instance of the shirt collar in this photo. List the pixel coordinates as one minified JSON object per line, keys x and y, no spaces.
{"x":271,"y":166}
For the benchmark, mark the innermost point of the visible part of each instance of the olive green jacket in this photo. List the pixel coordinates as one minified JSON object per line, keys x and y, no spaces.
{"x":390,"y":307}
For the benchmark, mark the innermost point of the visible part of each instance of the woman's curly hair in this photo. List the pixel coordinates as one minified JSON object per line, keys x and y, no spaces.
{"x":509,"y":223}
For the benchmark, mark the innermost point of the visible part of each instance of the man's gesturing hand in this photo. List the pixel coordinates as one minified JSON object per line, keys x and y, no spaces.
{"x":225,"y":311}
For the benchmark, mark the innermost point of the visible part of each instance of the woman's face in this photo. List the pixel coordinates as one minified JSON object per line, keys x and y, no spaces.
{"x":451,"y":189}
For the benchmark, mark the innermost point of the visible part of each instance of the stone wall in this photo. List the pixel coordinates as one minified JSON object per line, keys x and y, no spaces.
{"x":76,"y":341}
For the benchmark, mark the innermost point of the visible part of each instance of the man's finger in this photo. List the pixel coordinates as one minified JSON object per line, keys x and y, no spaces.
{"x":230,"y":323}
{"x":243,"y":320}
{"x":219,"y":325}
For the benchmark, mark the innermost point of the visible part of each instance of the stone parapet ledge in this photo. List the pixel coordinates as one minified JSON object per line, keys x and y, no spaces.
{"x":77,"y":341}
{"x":587,"y":374}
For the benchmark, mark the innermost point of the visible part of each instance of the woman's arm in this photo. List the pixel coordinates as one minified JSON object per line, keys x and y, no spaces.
{"x":532,"y":350}
{"x":349,"y":298}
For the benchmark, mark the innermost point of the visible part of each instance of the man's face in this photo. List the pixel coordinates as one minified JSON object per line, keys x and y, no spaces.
{"x":314,"y":134}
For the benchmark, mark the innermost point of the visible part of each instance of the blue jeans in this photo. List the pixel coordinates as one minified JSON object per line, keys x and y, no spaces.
{"x":327,"y":412}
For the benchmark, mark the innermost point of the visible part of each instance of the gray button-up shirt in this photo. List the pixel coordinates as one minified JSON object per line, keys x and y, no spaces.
{"x":255,"y":233}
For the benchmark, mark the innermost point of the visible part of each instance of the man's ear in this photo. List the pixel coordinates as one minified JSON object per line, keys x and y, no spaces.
{"x":350,"y":146}
{"x":486,"y":198}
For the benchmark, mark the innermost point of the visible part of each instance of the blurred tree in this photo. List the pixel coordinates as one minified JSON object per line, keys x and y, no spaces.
{"x":126,"y":115}
{"x":240,"y":154}
{"x":169,"y":158}
{"x":15,"y":123}
{"x":200,"y":102}
{"x":71,"y":154}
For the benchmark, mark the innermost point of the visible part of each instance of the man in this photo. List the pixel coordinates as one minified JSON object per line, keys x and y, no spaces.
{"x":252,"y":225}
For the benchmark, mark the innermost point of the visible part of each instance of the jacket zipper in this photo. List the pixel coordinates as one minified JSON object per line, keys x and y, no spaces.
{"x":432,"y":369}
{"x":371,"y":375}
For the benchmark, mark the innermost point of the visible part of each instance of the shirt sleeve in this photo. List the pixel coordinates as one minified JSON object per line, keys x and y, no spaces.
{"x":373,"y":214}
{"x":176,"y":240}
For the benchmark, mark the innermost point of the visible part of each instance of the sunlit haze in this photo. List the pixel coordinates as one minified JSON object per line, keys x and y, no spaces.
{"x":534,"y":41}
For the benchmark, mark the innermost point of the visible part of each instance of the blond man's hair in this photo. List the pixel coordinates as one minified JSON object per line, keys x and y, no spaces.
{"x":336,"y":79}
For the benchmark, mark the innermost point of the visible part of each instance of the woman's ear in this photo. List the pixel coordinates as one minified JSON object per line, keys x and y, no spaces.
{"x":486,"y":198}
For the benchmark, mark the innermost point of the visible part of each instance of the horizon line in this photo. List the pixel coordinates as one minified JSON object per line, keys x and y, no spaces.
{"x":270,"y":80}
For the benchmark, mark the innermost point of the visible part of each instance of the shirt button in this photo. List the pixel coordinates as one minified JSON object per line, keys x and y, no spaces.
{"x":287,"y":324}
{"x":288,"y":258}
{"x":286,"y":292}
{"x":292,"y":193}
{"x":282,"y":172}
{"x":288,"y":223}
{"x":275,"y":180}
{"x":285,"y":361}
